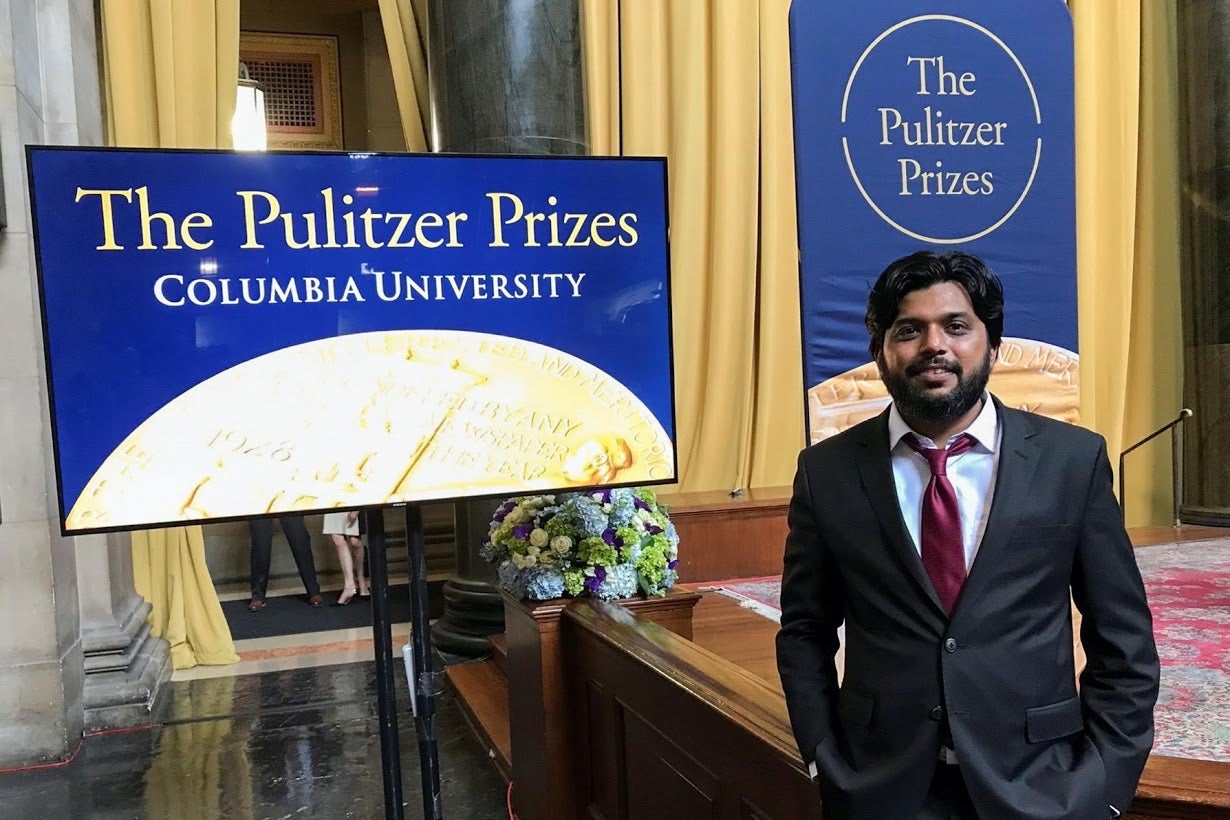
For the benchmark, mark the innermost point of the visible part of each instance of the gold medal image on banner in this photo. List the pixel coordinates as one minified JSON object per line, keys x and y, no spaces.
{"x":377,"y":418}
{"x":1029,"y":375}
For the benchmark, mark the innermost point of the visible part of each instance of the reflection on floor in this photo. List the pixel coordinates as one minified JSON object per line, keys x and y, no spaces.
{"x":288,"y":743}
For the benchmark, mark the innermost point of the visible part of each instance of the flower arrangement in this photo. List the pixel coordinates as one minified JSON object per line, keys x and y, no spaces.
{"x":607,"y":544}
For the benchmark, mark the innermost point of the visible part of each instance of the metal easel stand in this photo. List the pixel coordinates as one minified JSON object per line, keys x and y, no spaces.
{"x":424,"y":686}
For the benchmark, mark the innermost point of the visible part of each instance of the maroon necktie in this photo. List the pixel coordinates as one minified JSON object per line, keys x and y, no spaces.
{"x":943,"y":549}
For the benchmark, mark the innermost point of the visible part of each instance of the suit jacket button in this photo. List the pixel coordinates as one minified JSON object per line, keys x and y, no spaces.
{"x":937,"y":713}
{"x":950,"y":645}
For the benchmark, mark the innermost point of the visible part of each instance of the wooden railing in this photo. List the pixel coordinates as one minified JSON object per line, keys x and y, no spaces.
{"x":667,"y":729}
{"x":663,"y":728}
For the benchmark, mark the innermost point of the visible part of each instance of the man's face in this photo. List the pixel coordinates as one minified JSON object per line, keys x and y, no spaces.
{"x":936,"y":358}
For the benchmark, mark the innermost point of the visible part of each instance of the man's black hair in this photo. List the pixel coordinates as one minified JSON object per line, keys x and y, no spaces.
{"x":923,"y":269}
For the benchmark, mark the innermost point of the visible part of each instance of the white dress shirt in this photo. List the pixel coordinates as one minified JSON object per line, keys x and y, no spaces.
{"x":971,"y":473}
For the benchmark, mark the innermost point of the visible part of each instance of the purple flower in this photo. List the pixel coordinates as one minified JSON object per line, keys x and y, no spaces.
{"x":594,"y":581}
{"x":504,"y":510}
{"x":640,"y":504}
{"x":611,"y":540}
{"x":652,"y":528}
{"x":672,"y":564}
{"x":605,"y":495}
{"x":522,"y":531}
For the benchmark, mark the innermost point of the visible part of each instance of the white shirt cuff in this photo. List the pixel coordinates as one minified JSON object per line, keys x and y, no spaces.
{"x":815,"y":772}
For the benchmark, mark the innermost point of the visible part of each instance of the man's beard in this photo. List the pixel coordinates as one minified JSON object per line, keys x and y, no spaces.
{"x":914,"y":403}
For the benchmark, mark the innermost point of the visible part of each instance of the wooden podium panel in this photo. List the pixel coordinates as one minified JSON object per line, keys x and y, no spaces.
{"x":723,"y":536}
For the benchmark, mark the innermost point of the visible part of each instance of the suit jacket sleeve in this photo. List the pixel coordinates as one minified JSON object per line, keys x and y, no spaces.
{"x":811,"y":600}
{"x":1119,"y":684}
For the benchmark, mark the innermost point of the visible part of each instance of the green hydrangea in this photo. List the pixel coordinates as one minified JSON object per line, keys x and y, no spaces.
{"x":651,"y":569}
{"x":629,"y":535}
{"x":560,"y":525}
{"x":574,"y":582}
{"x":596,"y":552}
{"x":659,"y":542}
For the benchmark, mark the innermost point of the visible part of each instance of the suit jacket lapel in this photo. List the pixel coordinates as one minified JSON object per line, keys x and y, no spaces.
{"x":876,"y":471}
{"x":1018,"y":459}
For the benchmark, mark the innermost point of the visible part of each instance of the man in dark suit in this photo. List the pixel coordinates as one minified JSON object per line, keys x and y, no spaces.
{"x":950,"y":535}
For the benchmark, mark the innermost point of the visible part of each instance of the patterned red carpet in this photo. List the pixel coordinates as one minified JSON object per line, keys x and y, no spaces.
{"x":1189,"y":592}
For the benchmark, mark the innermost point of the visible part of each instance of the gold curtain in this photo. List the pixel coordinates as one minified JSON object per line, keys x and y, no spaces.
{"x":406,"y":40}
{"x":1128,"y":236}
{"x":707,"y":85}
{"x":170,"y":73}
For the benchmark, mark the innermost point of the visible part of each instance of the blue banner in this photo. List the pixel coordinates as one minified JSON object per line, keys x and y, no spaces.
{"x":940,"y":124}
{"x":230,"y":335}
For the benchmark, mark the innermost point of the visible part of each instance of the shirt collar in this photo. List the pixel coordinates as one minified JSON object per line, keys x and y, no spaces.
{"x":984,"y":429}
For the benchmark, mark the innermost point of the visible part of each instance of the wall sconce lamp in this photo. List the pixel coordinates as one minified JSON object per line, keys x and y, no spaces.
{"x":248,"y":124}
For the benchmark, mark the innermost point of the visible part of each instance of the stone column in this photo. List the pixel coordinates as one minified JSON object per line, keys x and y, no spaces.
{"x":506,"y":78}
{"x":48,"y":94}
{"x":125,"y":667}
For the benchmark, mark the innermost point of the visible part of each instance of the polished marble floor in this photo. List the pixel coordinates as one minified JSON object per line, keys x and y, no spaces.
{"x":289,"y":743}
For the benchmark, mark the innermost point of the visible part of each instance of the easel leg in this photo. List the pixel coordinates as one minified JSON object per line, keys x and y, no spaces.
{"x":386,"y":692}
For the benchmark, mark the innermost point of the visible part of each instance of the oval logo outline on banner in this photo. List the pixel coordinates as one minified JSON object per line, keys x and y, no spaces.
{"x":845,"y":140}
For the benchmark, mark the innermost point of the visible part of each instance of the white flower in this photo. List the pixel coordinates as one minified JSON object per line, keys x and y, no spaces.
{"x":606,"y":508}
{"x":515,"y":516}
{"x":532,"y":550}
{"x":539,"y":537}
{"x":518,"y":560}
{"x":531,"y":560}
{"x":644,"y":515}
{"x":561,"y":544}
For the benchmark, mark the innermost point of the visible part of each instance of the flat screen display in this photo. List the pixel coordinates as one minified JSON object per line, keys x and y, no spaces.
{"x":230,"y":335}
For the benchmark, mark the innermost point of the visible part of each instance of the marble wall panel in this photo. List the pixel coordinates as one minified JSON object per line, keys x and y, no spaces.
{"x":23,"y":488}
{"x":21,"y":344}
{"x":28,"y":695}
{"x":27,"y":602}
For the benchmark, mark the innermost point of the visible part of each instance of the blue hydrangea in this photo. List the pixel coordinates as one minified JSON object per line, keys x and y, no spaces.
{"x":620,"y":582}
{"x":588,"y":515}
{"x":542,"y":583}
{"x":623,"y":510}
{"x":489,"y":552}
{"x":512,"y":579}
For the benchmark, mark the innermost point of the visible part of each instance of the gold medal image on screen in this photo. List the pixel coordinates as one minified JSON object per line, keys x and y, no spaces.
{"x":377,"y":418}
{"x":1029,"y":375}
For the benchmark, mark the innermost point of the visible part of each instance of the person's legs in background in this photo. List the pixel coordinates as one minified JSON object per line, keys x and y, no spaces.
{"x":261,"y":530}
{"x":301,"y":548}
{"x":356,"y":547}
{"x":348,"y":574}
